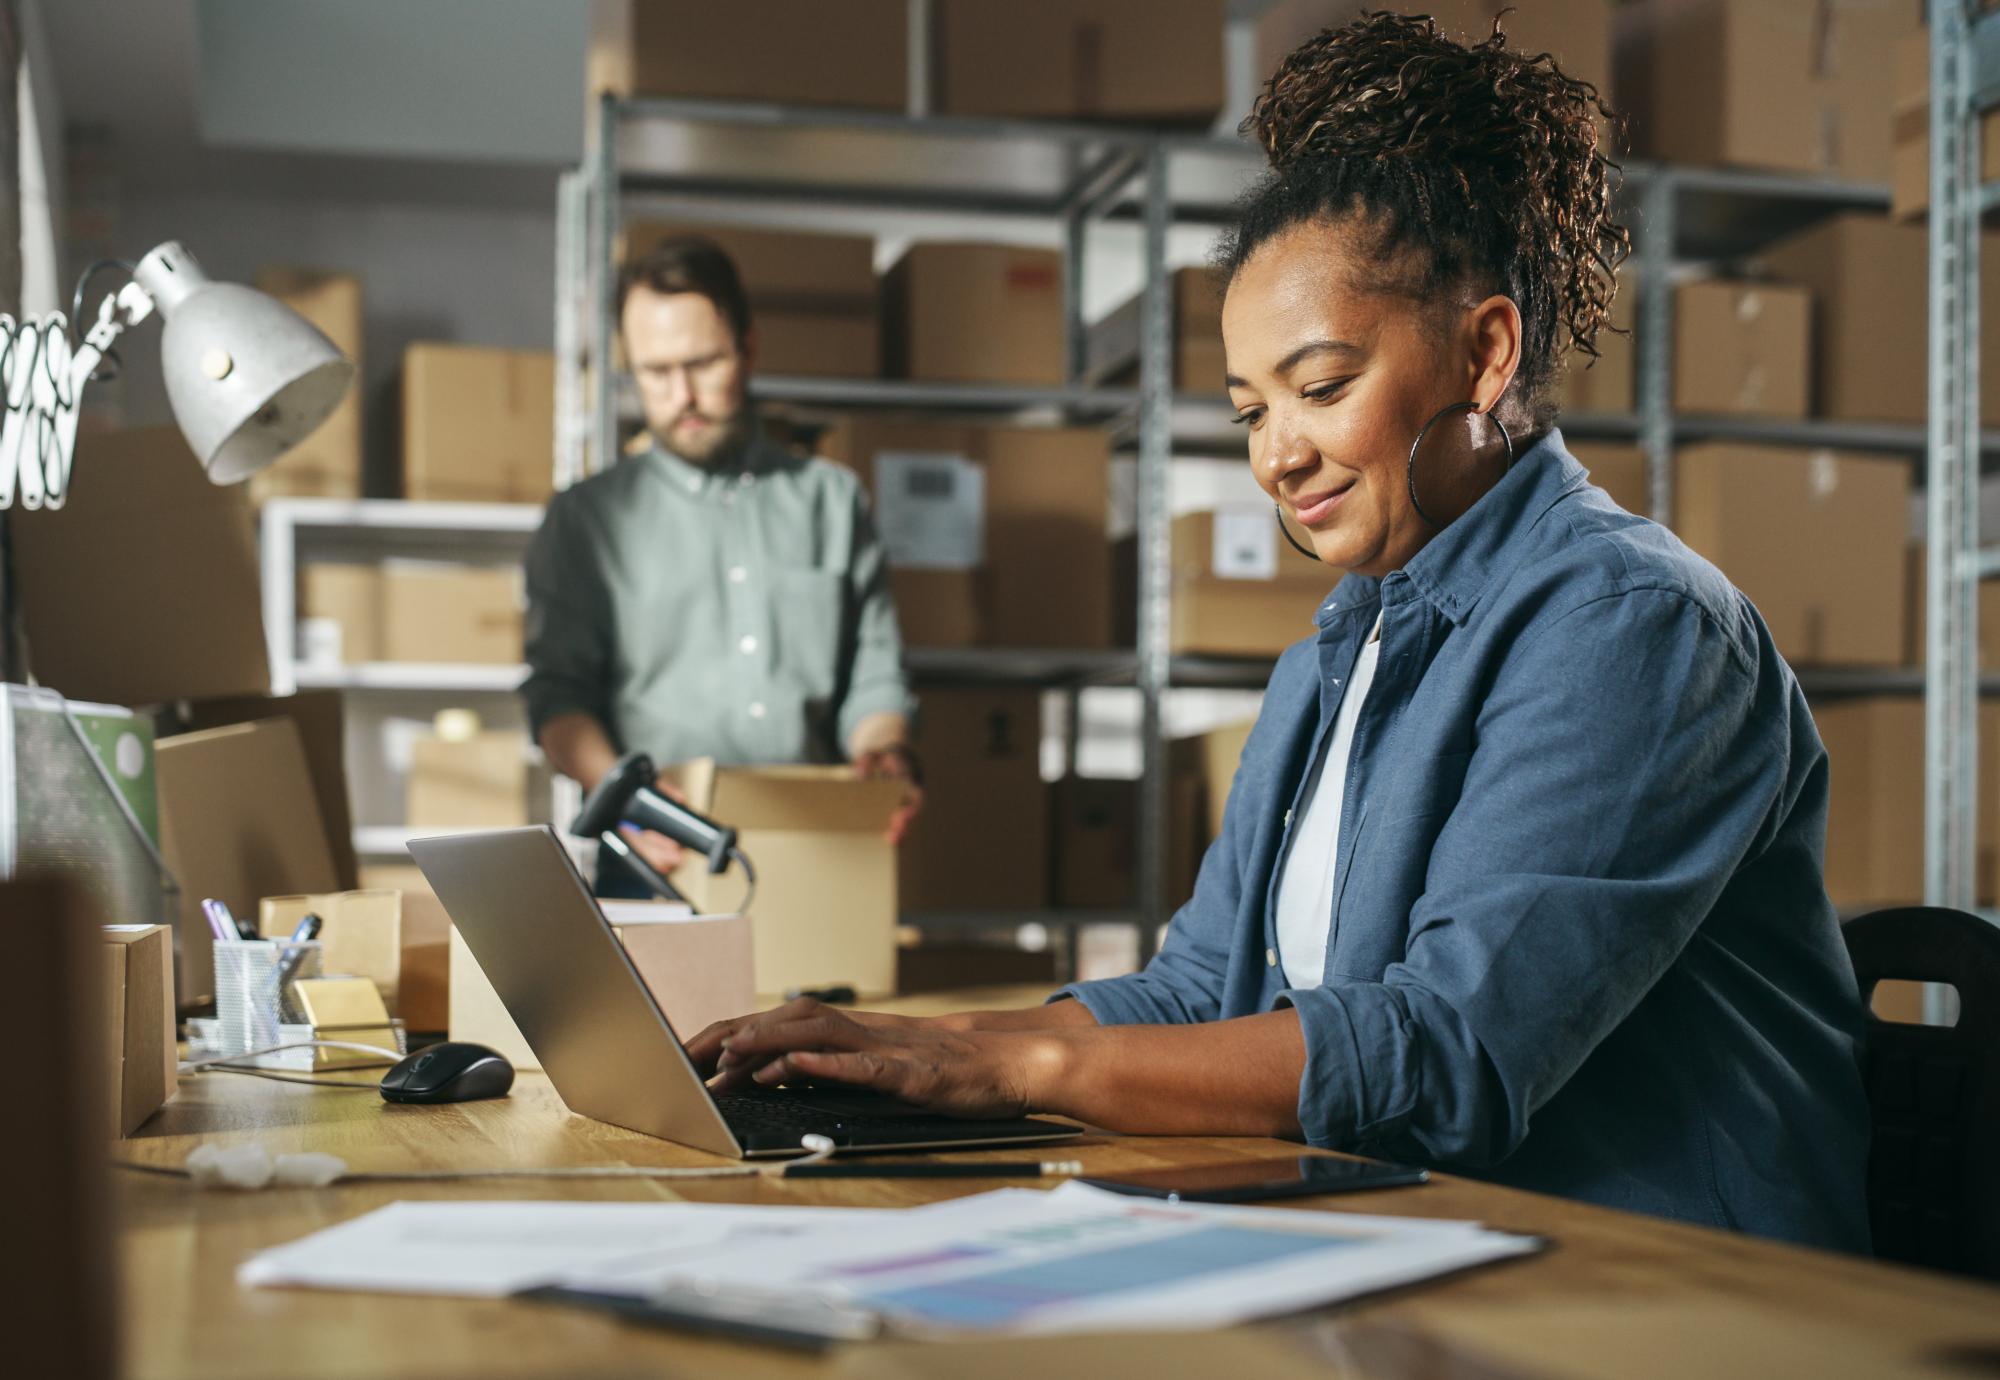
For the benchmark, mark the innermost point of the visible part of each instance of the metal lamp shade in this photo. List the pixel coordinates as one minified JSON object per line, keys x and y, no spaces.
{"x":248,"y":377}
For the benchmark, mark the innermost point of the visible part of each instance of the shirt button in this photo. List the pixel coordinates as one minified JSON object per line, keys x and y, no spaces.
{"x":747,"y":645}
{"x":737,"y":574}
{"x":1288,"y":819}
{"x":757,"y":710}
{"x":1270,"y":958}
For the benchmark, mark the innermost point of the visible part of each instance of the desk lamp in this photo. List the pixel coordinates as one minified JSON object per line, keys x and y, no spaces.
{"x":247,"y":377}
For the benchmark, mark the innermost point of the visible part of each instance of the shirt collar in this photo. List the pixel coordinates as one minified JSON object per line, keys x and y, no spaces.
{"x":758,"y":457}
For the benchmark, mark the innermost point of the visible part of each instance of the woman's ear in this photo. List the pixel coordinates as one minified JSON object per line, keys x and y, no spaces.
{"x":1495,"y":352}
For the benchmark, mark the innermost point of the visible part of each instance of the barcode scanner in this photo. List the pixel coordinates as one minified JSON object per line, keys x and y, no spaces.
{"x":627,"y":795}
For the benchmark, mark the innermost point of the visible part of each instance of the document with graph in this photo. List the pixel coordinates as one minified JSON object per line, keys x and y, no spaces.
{"x":1075,"y":1259}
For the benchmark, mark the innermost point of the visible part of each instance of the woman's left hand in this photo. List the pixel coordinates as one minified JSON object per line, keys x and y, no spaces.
{"x":961,"y":1073}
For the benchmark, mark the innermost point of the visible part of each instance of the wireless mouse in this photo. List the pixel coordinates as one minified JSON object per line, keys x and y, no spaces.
{"x":449,"y":1072}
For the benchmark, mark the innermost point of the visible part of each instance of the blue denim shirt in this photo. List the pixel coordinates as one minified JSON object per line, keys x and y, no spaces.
{"x":1580,"y":940}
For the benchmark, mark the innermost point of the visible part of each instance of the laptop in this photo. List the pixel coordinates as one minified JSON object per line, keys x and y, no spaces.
{"x":526,"y":914}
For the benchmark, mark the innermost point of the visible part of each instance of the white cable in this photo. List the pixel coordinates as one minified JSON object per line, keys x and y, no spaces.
{"x":251,"y":1167}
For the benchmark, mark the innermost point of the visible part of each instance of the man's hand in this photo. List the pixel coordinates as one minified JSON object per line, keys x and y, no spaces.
{"x":656,"y":848}
{"x":894,"y":762}
{"x":960,"y":1073}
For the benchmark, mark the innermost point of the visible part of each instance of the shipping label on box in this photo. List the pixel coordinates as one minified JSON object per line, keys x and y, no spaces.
{"x":1245,"y":545}
{"x":931,"y":509}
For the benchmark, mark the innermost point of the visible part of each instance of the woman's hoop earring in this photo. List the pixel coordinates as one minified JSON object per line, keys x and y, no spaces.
{"x":1410,"y":469}
{"x":1278,"y":512}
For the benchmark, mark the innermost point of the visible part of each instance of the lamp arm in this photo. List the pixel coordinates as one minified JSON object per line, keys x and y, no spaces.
{"x":43,"y":382}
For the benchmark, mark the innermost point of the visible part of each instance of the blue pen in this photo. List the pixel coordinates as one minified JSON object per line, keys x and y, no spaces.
{"x":242,"y":930}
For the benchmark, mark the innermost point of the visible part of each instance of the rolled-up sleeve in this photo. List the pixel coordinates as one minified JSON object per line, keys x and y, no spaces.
{"x":875,"y":682}
{"x":1623,"y":768}
{"x":568,"y":631}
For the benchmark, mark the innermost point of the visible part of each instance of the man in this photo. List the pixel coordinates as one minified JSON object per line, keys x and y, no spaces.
{"x":714,"y":594}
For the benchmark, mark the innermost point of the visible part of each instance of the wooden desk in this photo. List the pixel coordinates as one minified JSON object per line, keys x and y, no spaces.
{"x":1618,"y":1295}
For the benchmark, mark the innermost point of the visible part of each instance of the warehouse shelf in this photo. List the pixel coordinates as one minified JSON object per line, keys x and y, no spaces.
{"x":1048,"y":666}
{"x":393,"y":840}
{"x":1831,"y":682}
{"x":1012,"y":402}
{"x":404,"y":515}
{"x":423,"y":677}
{"x":1055,"y":918}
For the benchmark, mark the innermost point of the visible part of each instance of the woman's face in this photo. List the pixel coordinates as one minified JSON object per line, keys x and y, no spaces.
{"x":1333,"y":380}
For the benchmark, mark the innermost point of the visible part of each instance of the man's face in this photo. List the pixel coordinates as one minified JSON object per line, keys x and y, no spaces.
{"x":691,"y":372}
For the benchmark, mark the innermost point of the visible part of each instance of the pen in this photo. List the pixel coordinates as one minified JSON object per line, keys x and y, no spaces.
{"x":308,"y":929}
{"x":240,"y":930}
{"x":968,"y":1169}
{"x":218,"y":925}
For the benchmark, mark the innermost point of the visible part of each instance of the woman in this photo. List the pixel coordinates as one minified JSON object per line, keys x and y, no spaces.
{"x":1521,"y":871}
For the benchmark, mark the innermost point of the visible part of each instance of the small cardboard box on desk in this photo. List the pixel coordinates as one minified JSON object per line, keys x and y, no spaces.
{"x":361,"y":932}
{"x":698,"y":968}
{"x":825,"y":904}
{"x":139,"y":1015}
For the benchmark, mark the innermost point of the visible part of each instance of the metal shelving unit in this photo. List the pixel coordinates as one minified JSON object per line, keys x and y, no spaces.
{"x":299,"y":530}
{"x":707,"y":159}
{"x":1965,"y":82}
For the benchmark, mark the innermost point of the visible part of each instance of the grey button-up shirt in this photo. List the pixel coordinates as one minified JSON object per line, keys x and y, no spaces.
{"x":740,"y":612}
{"x":1579,"y":940}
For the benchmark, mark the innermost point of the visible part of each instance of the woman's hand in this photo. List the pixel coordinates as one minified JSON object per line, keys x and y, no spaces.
{"x":958,"y":1072}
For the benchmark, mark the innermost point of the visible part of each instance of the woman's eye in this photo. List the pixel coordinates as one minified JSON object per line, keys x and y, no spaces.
{"x":1325,"y":392}
{"x":1250,"y":418}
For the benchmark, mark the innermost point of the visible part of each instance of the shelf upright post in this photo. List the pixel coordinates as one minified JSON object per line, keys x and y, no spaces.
{"x":1075,"y":229}
{"x":573,"y":313}
{"x":598,"y":279}
{"x":277,"y":551}
{"x":1951,"y":684}
{"x":1155,"y":587}
{"x":1658,"y":203}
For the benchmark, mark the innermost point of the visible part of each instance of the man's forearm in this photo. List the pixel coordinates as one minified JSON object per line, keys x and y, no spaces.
{"x":1219,"y":1078}
{"x":578,"y":747}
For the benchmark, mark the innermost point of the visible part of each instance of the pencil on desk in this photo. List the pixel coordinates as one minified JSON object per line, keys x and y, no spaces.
{"x":1001,"y":1169}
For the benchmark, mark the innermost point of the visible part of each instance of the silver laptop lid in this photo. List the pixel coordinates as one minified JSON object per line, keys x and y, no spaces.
{"x":564,"y":977}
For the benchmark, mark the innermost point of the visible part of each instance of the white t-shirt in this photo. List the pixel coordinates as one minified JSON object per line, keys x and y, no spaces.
{"x":1305,"y":891}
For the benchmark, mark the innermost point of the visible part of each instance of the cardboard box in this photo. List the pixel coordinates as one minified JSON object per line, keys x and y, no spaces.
{"x":471,"y":783}
{"x":478,"y":424}
{"x":239,"y":821}
{"x":1910,"y":154}
{"x":341,"y":613}
{"x":58,"y":1273}
{"x":981,"y":840}
{"x":1618,"y":470}
{"x":423,"y":997}
{"x":1158,"y":61}
{"x":144,"y":1062}
{"x":1871,"y":293}
{"x":796,"y":52}
{"x":1988,"y":616}
{"x":698,"y":968}
{"x":1606,"y":384}
{"x":1742,"y":348}
{"x":1238,"y":587}
{"x":1803,"y":85}
{"x":815,"y":300}
{"x":361,"y":932}
{"x":1047,"y":572}
{"x":824,"y":911}
{"x":1112,"y":352}
{"x":949,"y":966}
{"x":1875,"y":813}
{"x":1577,"y":33}
{"x":1094,"y":861}
{"x":935,"y":291}
{"x":318,"y":718}
{"x":143,"y":587}
{"x":1816,"y":540}
{"x":328,"y":463}
{"x":452,"y":613}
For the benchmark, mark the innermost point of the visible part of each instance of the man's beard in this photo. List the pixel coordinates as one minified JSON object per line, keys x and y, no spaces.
{"x":717,"y":444}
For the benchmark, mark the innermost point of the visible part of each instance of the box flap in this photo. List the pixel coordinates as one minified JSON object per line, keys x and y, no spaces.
{"x":819,"y":799}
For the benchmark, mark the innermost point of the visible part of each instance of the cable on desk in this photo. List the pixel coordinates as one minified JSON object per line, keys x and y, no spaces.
{"x":233,"y":1063}
{"x":251,"y":1167}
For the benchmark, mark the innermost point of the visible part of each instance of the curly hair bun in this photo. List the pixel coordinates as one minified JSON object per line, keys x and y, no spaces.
{"x":1485,"y":155}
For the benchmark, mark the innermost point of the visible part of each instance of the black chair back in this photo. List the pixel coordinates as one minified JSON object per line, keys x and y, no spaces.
{"x":1934,"y":1091}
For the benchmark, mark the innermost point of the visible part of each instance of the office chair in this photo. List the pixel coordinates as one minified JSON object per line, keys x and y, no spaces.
{"x":1933,"y":1091}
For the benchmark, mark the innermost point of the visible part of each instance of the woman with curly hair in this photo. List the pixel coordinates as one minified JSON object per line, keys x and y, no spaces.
{"x":1520,"y":875}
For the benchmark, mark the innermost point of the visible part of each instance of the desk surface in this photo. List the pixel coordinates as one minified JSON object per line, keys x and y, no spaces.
{"x":1616,"y":1295}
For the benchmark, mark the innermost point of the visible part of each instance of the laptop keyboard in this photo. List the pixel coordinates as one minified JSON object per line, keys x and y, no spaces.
{"x":774,"y":1115}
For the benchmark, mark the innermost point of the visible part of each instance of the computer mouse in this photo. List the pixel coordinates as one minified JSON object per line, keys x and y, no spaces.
{"x":454,"y":1071}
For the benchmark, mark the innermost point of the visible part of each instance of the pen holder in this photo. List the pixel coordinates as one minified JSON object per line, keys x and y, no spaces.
{"x":253,"y":979}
